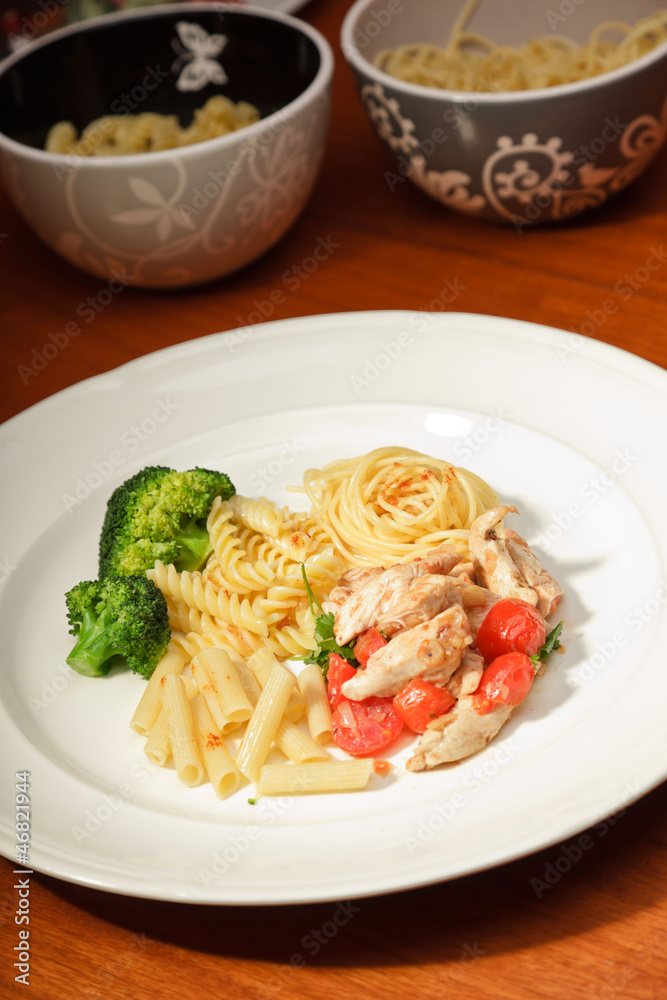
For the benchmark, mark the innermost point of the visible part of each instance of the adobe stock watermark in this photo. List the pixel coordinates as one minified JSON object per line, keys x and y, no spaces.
{"x":392,"y":349}
{"x":573,"y":851}
{"x":99,"y":132}
{"x":318,"y":937}
{"x":291,"y":279}
{"x":640,"y":615}
{"x":379,"y":18}
{"x":110,"y":804}
{"x":201,"y":198}
{"x":269,"y":811}
{"x":129,"y":443}
{"x":481,"y":435}
{"x":6,"y":570}
{"x":565,"y":10}
{"x":30,"y":27}
{"x":544,"y":195}
{"x":267,"y":474}
{"x":116,"y":968}
{"x":624,"y":288}
{"x":87,"y":310}
{"x":473,"y":780}
{"x":456,"y":972}
{"x":454,"y":117}
{"x":589,"y":493}
{"x":618,"y":979}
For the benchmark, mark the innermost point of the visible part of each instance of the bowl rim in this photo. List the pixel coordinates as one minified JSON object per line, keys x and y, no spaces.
{"x":355,"y":57}
{"x":317,"y":85}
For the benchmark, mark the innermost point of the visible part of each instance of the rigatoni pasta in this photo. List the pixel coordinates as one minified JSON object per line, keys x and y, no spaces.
{"x":158,"y":746}
{"x":265,"y":721}
{"x":216,"y":677}
{"x":336,"y":776}
{"x":218,"y":762}
{"x":318,"y":713}
{"x":180,"y":727}
{"x":261,"y":664}
{"x":148,"y":709}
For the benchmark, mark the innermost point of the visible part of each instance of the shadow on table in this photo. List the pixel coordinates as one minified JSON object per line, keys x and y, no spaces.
{"x":556,"y":894}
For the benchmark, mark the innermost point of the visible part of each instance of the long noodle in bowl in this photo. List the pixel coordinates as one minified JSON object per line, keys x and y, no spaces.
{"x":471,"y":62}
{"x":395,"y":504}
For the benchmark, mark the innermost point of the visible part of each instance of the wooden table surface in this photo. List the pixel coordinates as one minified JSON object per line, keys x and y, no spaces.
{"x":598,"y":932}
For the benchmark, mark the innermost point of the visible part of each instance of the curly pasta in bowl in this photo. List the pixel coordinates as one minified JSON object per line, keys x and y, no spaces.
{"x":171,"y":133}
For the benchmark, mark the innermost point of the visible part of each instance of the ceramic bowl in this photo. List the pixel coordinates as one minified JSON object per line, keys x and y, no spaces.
{"x":517,"y":158}
{"x":181,"y":216}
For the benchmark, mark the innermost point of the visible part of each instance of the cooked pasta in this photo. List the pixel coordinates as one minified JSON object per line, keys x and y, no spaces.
{"x":249,"y":608}
{"x":217,"y":679}
{"x":394,"y":504}
{"x":194,"y":590}
{"x":471,"y":62}
{"x":229,"y":562}
{"x":314,"y":692}
{"x":158,"y":745}
{"x":119,"y":135}
{"x":261,"y":664}
{"x":218,"y":762}
{"x":335,"y":776}
{"x":180,"y":727}
{"x":149,"y":707}
{"x":264,"y":722}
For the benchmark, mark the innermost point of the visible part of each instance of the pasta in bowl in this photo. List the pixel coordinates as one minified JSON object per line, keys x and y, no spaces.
{"x":149,"y":210}
{"x":499,"y":112}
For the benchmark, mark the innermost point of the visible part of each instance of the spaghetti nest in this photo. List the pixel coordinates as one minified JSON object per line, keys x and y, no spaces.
{"x":395,"y":504}
{"x":471,"y":62}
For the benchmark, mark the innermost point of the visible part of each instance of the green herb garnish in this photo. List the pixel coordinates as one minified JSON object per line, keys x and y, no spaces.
{"x":550,"y":643}
{"x":324,"y":633}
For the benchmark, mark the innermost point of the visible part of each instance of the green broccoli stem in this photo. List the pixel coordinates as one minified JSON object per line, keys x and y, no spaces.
{"x":92,"y":654}
{"x":194,"y":545}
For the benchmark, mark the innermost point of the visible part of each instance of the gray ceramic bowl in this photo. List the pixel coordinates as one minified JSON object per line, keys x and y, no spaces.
{"x":517,"y":158}
{"x":179,"y":216}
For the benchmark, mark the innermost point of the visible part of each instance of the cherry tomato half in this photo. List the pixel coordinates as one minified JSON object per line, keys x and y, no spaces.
{"x":506,"y":681}
{"x":340,"y":670}
{"x":362,"y":727}
{"x":511,"y":626}
{"x":368,"y":643}
{"x":420,"y":702}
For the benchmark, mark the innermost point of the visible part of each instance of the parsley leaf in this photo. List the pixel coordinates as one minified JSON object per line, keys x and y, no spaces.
{"x":324,"y":633}
{"x":550,"y":643}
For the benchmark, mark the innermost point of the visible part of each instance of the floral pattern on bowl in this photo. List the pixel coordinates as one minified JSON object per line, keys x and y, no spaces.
{"x":524,"y":180}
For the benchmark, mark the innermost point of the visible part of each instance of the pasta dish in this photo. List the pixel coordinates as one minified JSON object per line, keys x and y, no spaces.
{"x":148,"y":132}
{"x":398,"y":603}
{"x":472,"y":62}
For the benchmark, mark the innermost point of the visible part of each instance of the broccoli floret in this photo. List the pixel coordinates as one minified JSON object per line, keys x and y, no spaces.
{"x":160,"y":514}
{"x":120,"y":618}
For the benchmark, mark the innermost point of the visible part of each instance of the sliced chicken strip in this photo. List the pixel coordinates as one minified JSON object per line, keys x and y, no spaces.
{"x":425,"y":598}
{"x":466,"y":678}
{"x":457,"y":734}
{"x":464,"y":570}
{"x":477,"y":602}
{"x":432,"y":650}
{"x":441,"y":560}
{"x":335,"y":600}
{"x":492,"y":560}
{"x":359,"y":575}
{"x":548,"y":591}
{"x":374,"y":601}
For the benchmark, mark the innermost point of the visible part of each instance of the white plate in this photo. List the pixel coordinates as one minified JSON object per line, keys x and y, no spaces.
{"x":570,"y":430}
